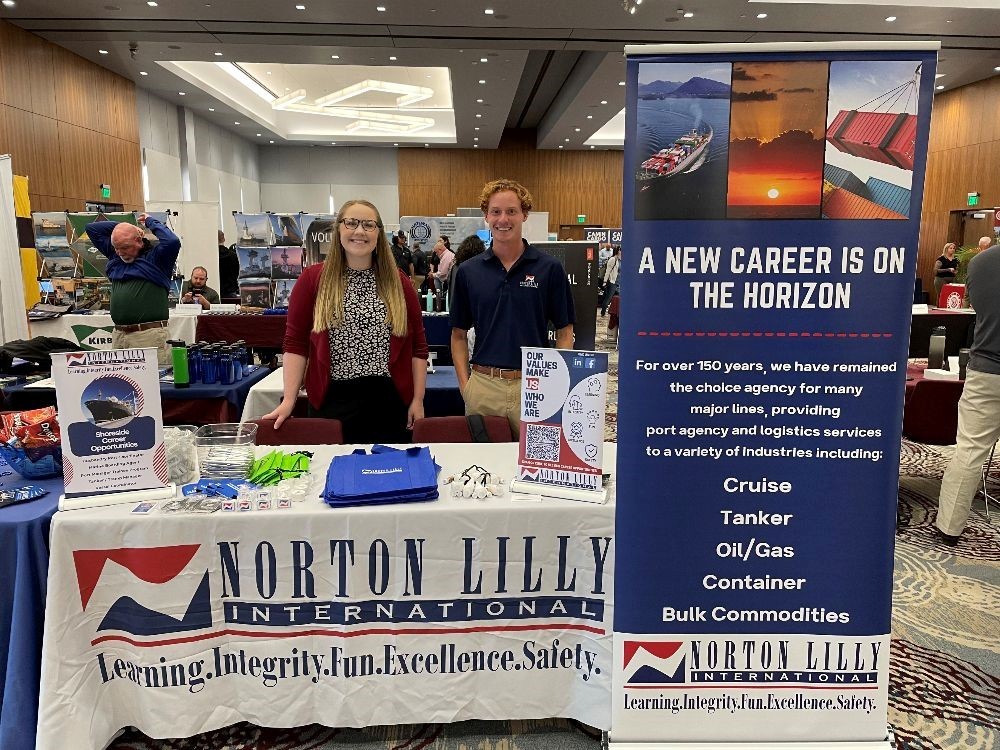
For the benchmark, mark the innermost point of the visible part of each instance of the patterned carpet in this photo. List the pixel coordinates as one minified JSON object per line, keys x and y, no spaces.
{"x":944,"y":685}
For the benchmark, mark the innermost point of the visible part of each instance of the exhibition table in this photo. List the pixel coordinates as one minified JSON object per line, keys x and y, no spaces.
{"x":960,"y":325}
{"x":259,"y":331}
{"x":24,"y":557}
{"x":198,"y":404}
{"x":930,"y":408}
{"x":439,"y":611}
{"x":437,"y":329}
{"x":93,"y":331}
{"x":441,"y":396}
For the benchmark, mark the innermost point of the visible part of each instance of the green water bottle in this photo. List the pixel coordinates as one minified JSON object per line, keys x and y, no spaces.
{"x":179,"y":359}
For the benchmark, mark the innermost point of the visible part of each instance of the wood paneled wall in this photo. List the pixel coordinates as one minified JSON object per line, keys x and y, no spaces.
{"x":434,"y":182}
{"x":963,"y":157}
{"x":69,"y":125}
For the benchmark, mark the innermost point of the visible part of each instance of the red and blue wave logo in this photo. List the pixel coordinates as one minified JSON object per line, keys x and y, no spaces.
{"x":651,"y":663}
{"x":152,"y":576}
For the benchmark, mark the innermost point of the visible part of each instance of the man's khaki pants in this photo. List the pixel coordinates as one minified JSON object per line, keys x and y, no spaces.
{"x":152,"y":337}
{"x":486,"y":395}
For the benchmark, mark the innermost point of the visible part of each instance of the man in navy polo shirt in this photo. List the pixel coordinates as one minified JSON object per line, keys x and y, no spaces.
{"x":509,"y":294}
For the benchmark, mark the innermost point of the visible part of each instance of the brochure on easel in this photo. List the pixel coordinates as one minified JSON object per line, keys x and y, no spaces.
{"x":563,"y":401}
{"x":109,"y":407}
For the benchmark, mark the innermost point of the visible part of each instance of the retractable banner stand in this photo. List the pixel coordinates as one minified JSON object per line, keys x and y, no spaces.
{"x":771,"y":209}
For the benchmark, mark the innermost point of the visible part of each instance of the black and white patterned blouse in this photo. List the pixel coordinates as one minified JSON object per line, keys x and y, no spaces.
{"x":360,"y":346}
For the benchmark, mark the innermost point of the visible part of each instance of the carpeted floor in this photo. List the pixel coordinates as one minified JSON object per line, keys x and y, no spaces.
{"x":944,"y":684}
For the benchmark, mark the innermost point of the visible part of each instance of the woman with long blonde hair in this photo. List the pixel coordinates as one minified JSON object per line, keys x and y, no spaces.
{"x":945,"y":269}
{"x":355,"y":336}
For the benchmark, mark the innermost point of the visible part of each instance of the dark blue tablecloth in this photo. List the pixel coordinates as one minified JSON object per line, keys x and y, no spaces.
{"x":442,"y":397}
{"x":24,"y":559}
{"x":236,"y":394}
{"x":437,"y":328}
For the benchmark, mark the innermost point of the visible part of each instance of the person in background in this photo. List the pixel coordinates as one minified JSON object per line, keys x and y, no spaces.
{"x":509,"y":294}
{"x":611,"y":279}
{"x":985,"y":243}
{"x":355,"y":335}
{"x":401,"y":255}
{"x":979,"y":407}
{"x":945,"y":269}
{"x":196,"y":289}
{"x":421,"y":266}
{"x":442,"y":249}
{"x":140,"y":274}
{"x":469,"y":248}
{"x":229,"y":269}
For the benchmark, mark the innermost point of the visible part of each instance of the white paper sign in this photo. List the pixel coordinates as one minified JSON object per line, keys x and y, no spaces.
{"x":112,"y":421}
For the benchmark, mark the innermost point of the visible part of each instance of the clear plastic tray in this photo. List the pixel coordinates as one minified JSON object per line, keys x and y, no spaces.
{"x":225,"y":450}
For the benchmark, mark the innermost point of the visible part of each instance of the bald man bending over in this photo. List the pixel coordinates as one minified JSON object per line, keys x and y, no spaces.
{"x":140,"y":279}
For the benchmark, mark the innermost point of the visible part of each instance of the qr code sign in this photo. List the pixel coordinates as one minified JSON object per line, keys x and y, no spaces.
{"x":542,"y":442}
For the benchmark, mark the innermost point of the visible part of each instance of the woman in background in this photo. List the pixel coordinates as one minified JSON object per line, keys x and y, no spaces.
{"x":945,"y":270}
{"x":355,"y":335}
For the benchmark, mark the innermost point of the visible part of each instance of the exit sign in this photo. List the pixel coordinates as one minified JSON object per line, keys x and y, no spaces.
{"x":581,"y":218}
{"x":973,"y":199}
{"x":106,"y":192}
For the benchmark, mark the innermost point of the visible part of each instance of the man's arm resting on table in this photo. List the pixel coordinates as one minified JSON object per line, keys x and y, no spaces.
{"x":460,"y":355}
{"x":564,"y":337}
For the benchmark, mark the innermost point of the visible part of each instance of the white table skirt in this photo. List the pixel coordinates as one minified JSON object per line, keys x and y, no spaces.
{"x":429,"y":612}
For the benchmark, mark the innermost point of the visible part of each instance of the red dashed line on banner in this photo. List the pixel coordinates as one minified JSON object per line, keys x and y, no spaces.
{"x":768,"y":334}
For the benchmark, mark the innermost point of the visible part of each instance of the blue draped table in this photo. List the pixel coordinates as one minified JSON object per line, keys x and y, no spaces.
{"x":199,"y":404}
{"x":24,"y":556}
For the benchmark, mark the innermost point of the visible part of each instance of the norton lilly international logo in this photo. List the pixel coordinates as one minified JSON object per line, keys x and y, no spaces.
{"x":653,"y":663}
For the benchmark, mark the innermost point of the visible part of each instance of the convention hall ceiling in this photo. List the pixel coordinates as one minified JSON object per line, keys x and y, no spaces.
{"x":455,"y":72}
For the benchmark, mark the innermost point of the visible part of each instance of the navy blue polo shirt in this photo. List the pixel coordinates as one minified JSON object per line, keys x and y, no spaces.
{"x":510,"y":309}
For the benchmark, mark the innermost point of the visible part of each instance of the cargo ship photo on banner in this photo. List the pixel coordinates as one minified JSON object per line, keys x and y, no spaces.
{"x":771,"y":215}
{"x":563,"y":401}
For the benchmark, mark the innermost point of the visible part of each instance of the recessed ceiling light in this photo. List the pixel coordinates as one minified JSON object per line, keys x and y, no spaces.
{"x":479,"y":101}
{"x":604,"y":101}
{"x":890,"y":19}
{"x":103,"y":51}
{"x":688,"y":14}
{"x":333,"y":143}
{"x":152,"y":4}
{"x":576,"y":129}
{"x":218,"y":54}
{"x":997,"y":67}
{"x":939,"y":87}
{"x":270,"y":141}
{"x":380,"y":8}
{"x":592,"y":147}
{"x":478,"y":115}
{"x":482,"y":59}
{"x":477,"y":128}
{"x":392,"y":57}
{"x":300,"y":7}
{"x":590,"y":117}
{"x":560,"y":147}
{"x":482,"y":81}
{"x":475,"y":145}
{"x":395,"y":144}
{"x":621,"y":83}
{"x":236,"y":122}
{"x":9,"y":3}
{"x":211,"y":109}
{"x":143,"y":73}
{"x":567,"y":140}
{"x":762,"y":15}
{"x":258,"y":135}
{"x":476,"y":138}
{"x":181,"y":93}
{"x":427,"y":145}
{"x":488,"y":11}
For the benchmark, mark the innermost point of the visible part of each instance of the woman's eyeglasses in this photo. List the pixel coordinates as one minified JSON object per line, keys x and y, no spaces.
{"x":369,"y":225}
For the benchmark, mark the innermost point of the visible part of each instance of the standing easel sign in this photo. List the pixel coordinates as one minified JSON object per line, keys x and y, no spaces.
{"x":563,"y":400}
{"x":112,"y":420}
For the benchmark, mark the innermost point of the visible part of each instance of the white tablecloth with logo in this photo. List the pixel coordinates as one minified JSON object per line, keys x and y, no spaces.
{"x":431,"y":612}
{"x":94,"y":331}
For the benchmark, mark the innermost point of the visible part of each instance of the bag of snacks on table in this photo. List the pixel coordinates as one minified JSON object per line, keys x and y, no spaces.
{"x":30,"y":442}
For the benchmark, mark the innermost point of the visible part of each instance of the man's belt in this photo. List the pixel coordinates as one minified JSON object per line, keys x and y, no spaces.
{"x":497,"y":372}
{"x":136,"y":327}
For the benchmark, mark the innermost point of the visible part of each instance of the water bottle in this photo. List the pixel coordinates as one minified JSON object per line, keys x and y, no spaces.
{"x":179,"y":359}
{"x":963,"y":362}
{"x":237,"y":364}
{"x":935,"y":355}
{"x":244,"y":357}
{"x":210,"y":366}
{"x":225,"y":366}
{"x":429,"y":301}
{"x":194,"y":363}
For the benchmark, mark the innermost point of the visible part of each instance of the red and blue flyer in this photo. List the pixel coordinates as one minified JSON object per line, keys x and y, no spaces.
{"x":563,"y":399}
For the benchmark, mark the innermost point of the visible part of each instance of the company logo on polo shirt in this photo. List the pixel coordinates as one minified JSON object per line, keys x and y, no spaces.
{"x":653,"y":662}
{"x":529,"y":281}
{"x":151,"y":575}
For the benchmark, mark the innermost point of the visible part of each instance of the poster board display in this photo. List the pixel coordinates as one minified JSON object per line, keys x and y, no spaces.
{"x":112,"y":421}
{"x":765,"y":312}
{"x":580,"y":259}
